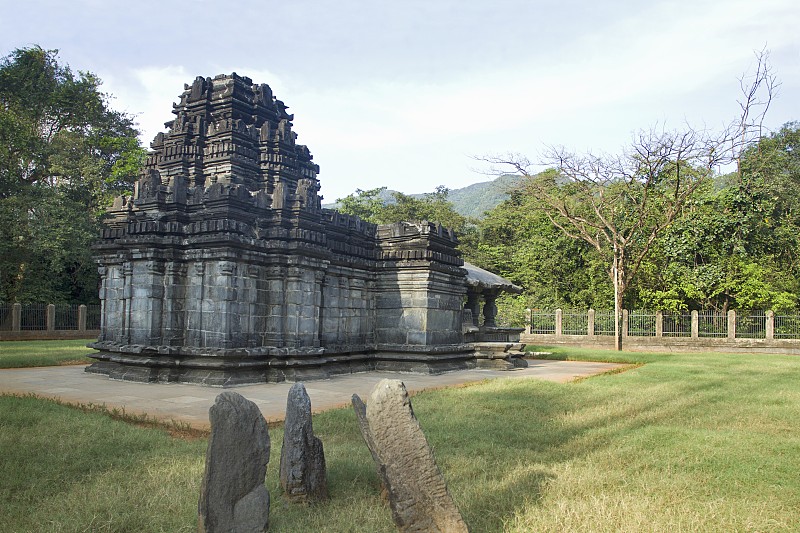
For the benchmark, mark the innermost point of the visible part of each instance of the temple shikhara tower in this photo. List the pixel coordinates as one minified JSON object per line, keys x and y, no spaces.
{"x":223,"y":269}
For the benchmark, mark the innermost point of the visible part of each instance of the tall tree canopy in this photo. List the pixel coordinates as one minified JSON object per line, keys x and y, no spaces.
{"x":433,"y":207}
{"x":64,"y":155}
{"x":622,"y":203}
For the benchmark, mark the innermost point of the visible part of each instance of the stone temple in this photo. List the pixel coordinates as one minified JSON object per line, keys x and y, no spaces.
{"x":223,"y":268}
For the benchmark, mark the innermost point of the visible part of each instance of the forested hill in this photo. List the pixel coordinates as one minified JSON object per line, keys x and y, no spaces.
{"x":470,"y":201}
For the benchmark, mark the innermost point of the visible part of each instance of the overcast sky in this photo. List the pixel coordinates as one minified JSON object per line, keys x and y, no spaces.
{"x":406,"y":93}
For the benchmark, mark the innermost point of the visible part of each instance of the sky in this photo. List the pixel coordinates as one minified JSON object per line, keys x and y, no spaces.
{"x":411,"y":94}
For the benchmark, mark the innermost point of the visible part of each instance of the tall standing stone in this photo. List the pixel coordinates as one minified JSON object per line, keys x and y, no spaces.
{"x":416,"y":489}
{"x":233,"y":497}
{"x":302,"y":470}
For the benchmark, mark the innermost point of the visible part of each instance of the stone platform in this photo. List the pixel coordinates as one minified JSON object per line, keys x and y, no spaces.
{"x":190,"y":403}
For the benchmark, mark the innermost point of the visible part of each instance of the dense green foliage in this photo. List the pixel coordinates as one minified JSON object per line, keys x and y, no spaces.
{"x":733,"y":244}
{"x":642,"y":450}
{"x":64,"y":154}
{"x":432,"y":207}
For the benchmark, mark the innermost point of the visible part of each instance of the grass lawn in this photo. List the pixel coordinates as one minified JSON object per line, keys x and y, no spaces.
{"x":686,"y":442}
{"x":18,"y":354}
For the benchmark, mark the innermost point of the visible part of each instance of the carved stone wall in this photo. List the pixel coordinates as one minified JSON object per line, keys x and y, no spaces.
{"x":223,"y":269}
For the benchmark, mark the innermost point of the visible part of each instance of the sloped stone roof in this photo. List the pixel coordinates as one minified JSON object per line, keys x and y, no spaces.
{"x":478,"y":278}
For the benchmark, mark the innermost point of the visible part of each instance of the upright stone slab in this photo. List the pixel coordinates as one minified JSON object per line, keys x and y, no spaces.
{"x":233,"y":497}
{"x":302,"y":470}
{"x":417,"y":491}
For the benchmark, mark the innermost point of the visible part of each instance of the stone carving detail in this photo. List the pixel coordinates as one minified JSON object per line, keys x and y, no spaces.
{"x":302,"y":470}
{"x":233,"y":496}
{"x":415,"y":487}
{"x":226,"y":190}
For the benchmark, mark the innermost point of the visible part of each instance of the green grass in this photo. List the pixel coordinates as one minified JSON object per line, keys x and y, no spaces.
{"x":569,"y":353}
{"x":19,"y":354}
{"x":686,"y":442}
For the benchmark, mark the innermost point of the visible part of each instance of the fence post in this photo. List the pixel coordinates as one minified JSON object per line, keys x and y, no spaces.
{"x":769,"y":327}
{"x":16,"y":317}
{"x":51,"y":317}
{"x":528,"y":321}
{"x":731,"y":324}
{"x":81,"y":317}
{"x":559,"y":314}
{"x":590,"y":325}
{"x":625,"y":321}
{"x":695,"y":325}
{"x":659,"y":324}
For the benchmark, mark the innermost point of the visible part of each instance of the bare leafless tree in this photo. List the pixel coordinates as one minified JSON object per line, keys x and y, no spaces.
{"x":621,"y":203}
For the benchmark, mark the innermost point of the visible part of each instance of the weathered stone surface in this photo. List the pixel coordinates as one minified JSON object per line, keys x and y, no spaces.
{"x":224,"y":269}
{"x":302,"y":470}
{"x":233,"y":497}
{"x":416,"y":490}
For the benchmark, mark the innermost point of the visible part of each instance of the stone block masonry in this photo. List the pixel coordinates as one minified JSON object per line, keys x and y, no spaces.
{"x":223,"y":269}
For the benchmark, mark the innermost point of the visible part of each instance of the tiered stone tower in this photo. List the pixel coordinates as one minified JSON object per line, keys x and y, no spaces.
{"x":223,"y":269}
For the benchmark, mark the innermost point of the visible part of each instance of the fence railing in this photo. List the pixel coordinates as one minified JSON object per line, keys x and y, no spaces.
{"x":643,"y":323}
{"x":49,"y":317}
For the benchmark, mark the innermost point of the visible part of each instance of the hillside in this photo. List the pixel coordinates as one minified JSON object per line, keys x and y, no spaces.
{"x":470,"y":201}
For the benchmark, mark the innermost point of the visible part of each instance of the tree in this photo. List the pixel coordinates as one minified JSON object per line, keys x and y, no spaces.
{"x":64,"y":155}
{"x":736,"y":243}
{"x":366,"y":205}
{"x":432,"y":207}
{"x":621,"y":203}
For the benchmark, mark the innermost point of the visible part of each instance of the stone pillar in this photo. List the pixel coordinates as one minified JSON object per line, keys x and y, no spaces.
{"x":625,"y":321}
{"x":81,"y":317}
{"x":659,"y":324}
{"x":195,"y":294}
{"x":51,"y":317}
{"x":104,"y":281}
{"x":124,"y":335}
{"x":16,"y":317}
{"x":227,"y":327}
{"x":528,"y":321}
{"x":154,"y":302}
{"x":559,"y":317}
{"x":276,"y":305}
{"x":174,"y":305}
{"x":490,"y":309}
{"x":695,"y":325}
{"x":294,"y":305}
{"x":474,"y":305}
{"x":769,"y":332}
{"x":252,"y":300}
{"x":590,"y":325}
{"x":731,"y":324}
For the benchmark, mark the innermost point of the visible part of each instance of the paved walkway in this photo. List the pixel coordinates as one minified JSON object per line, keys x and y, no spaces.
{"x":190,"y":403}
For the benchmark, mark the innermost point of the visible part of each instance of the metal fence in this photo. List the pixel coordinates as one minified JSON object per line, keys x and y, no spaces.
{"x":676,"y":325}
{"x":5,"y":316}
{"x":712,"y":324}
{"x":742,"y":324}
{"x":48,"y":317}
{"x":787,"y":327}
{"x":604,"y":323}
{"x":575,"y":322}
{"x":33,"y":317}
{"x":93,"y":316}
{"x":642,"y":323}
{"x":751,"y":324}
{"x":543,"y":321}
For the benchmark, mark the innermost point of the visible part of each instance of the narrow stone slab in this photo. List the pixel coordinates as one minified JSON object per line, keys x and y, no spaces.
{"x":302,"y":470}
{"x":416,"y":489}
{"x":233,"y":496}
